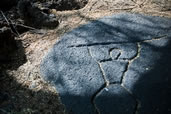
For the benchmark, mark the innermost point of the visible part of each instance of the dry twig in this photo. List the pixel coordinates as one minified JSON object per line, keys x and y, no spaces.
{"x":10,"y":24}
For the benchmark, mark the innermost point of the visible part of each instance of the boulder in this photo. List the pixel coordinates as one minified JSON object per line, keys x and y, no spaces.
{"x":118,"y":64}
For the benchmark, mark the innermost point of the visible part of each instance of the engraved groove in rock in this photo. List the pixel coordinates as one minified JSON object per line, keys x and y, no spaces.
{"x":120,"y":101}
{"x":118,"y":55}
{"x":126,"y":69}
{"x":83,"y":76}
{"x":104,"y":60}
{"x":121,"y":42}
{"x":99,"y":64}
{"x":130,"y":61}
{"x":138,"y":103}
{"x":101,"y":88}
{"x":107,"y":83}
{"x":94,"y":96}
{"x":156,"y":38}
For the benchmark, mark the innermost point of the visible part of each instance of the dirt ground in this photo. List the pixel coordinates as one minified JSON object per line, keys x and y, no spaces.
{"x":24,"y":91}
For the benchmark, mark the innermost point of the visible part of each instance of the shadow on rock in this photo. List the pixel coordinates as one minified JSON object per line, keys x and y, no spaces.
{"x":138,"y":79}
{"x":150,"y":81}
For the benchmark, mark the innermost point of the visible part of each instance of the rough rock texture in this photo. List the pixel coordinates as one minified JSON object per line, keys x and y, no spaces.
{"x":117,"y":64}
{"x":115,"y":99}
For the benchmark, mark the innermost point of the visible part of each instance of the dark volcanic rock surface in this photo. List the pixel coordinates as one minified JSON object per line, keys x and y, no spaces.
{"x":118,"y":64}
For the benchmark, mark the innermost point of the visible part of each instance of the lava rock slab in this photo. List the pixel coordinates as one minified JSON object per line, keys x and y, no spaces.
{"x":115,"y":102}
{"x":117,"y":64}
